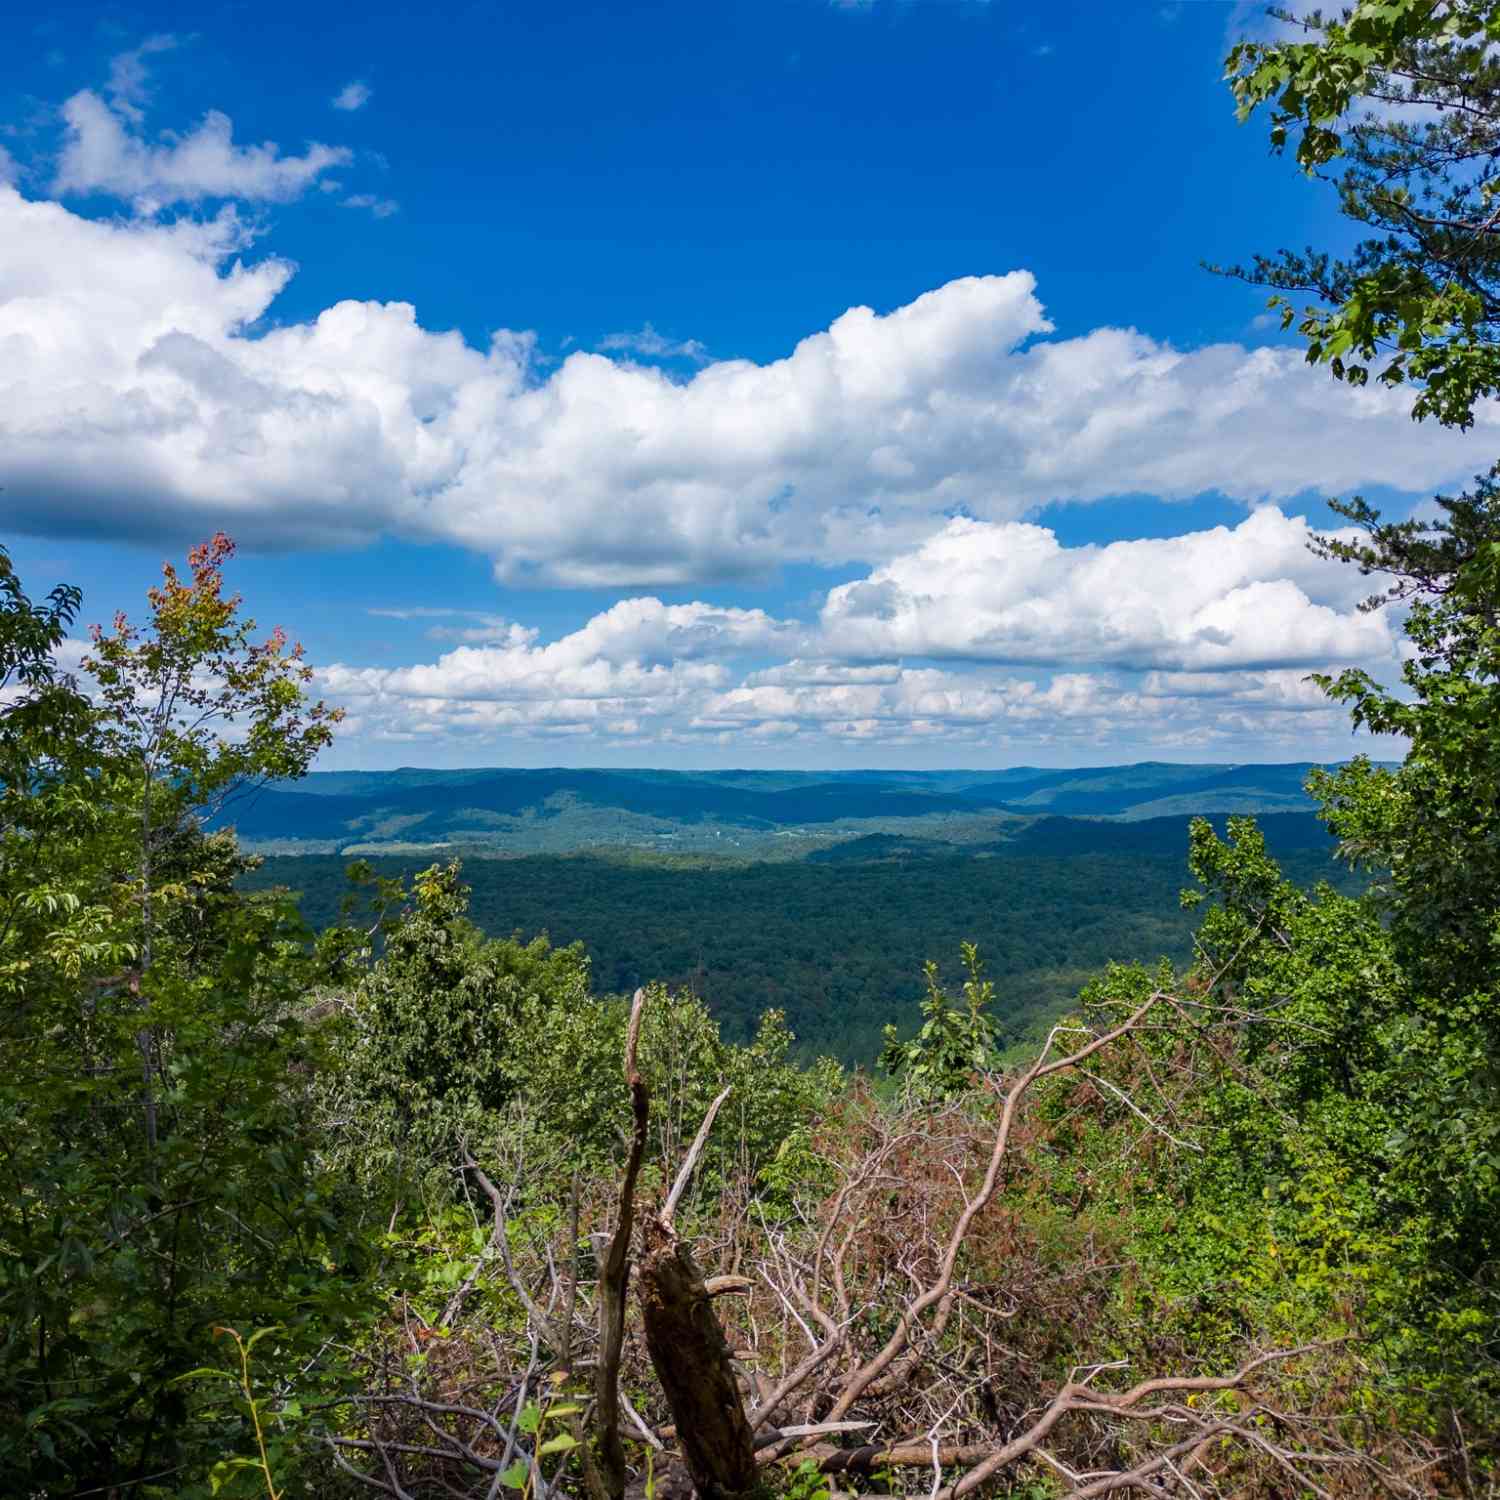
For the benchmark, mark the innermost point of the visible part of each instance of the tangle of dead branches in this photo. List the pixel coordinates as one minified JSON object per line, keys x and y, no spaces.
{"x":897,"y":1333}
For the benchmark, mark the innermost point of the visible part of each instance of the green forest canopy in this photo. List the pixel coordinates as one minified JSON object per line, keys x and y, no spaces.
{"x":838,"y":945}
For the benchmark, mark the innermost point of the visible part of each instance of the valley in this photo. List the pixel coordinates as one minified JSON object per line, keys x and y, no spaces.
{"x":818,"y":895}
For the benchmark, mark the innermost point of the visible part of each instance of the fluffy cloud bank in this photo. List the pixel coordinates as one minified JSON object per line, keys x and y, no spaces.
{"x":639,"y":659}
{"x":1253,"y":596}
{"x":137,"y":396}
{"x":1198,"y":655}
{"x":640,"y":648}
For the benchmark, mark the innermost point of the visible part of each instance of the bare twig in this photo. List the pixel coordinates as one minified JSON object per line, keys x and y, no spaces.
{"x":690,"y":1161}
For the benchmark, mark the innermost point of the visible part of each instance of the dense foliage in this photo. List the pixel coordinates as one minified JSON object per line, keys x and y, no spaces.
{"x":520,"y":1038}
{"x":157,"y":1156}
{"x":838,"y":946}
{"x":1404,"y":98}
{"x":1398,"y":101}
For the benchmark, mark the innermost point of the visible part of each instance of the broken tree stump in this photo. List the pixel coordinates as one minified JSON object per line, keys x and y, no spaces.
{"x":691,"y":1357}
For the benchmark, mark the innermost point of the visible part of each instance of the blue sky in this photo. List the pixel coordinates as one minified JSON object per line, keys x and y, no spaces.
{"x":688,"y":384}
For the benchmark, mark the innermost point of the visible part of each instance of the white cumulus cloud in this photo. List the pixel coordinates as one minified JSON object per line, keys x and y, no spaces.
{"x":141,"y":397}
{"x":640,"y":667}
{"x":104,"y":152}
{"x":1251,"y":596}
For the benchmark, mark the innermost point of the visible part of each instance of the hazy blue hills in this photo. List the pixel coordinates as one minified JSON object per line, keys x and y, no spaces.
{"x":754,"y":813}
{"x":1140,"y":791}
{"x":481,"y":809}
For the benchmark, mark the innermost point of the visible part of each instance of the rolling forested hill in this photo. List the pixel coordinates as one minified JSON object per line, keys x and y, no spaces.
{"x":838,"y":938}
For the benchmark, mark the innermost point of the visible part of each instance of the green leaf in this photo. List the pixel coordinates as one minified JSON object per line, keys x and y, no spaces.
{"x":259,"y":1334}
{"x":225,"y":1470}
{"x":204,"y":1372}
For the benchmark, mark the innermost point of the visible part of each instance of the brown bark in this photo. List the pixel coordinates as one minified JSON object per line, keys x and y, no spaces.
{"x":691,"y":1358}
{"x":614,"y":1277}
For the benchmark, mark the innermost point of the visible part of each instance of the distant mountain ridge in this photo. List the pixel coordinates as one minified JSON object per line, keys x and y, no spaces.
{"x":516,"y":811}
